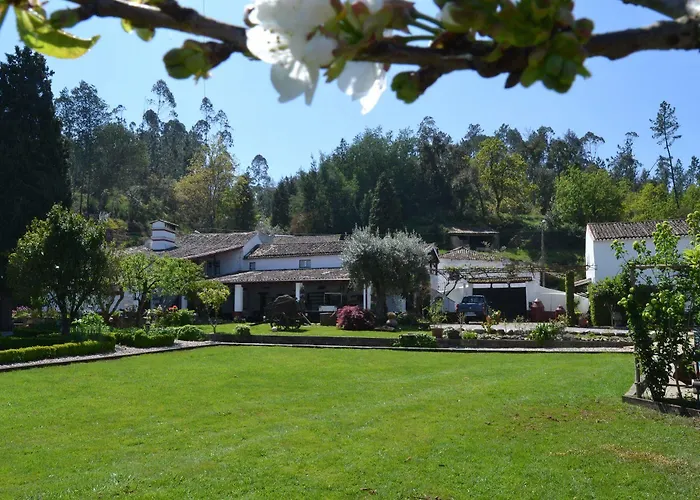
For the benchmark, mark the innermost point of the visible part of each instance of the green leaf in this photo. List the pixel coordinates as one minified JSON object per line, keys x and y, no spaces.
{"x":65,"y":18}
{"x":145,"y":34}
{"x":38,"y":34}
{"x":126,"y":25}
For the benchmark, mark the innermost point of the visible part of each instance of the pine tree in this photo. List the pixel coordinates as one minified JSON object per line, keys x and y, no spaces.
{"x":664,"y":129}
{"x":34,"y":163}
{"x":385,"y":211}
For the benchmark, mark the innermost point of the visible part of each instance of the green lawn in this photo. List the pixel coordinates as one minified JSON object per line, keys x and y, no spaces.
{"x":310,"y":330}
{"x":257,"y":422}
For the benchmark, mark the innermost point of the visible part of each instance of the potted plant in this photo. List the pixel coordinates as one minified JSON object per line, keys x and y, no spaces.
{"x":437,"y":316}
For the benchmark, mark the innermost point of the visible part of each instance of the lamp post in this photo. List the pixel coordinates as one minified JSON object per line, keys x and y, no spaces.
{"x":542,"y":250}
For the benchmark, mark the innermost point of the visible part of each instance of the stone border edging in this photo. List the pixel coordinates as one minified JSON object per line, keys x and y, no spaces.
{"x":631,"y":398}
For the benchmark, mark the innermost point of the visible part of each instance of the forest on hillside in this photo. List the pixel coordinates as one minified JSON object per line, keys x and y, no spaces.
{"x":418,"y":178}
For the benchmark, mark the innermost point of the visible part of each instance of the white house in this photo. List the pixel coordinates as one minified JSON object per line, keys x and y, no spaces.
{"x":259,"y":267}
{"x":600,"y":257}
{"x":509,"y":287}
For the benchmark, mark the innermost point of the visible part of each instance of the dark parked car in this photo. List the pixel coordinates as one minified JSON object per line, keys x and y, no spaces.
{"x":474,"y":307}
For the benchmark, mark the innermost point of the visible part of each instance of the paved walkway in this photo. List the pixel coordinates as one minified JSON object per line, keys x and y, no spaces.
{"x":525,"y":327}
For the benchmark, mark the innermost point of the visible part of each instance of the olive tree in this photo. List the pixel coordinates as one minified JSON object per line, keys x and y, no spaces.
{"x":392,"y":264}
{"x":62,"y":261}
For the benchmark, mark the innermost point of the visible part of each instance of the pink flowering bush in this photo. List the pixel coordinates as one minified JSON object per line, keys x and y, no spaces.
{"x":354,"y":318}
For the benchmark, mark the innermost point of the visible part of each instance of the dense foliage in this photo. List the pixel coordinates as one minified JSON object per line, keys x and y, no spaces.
{"x":660,"y":323}
{"x":34,"y":155}
{"x":60,"y":261}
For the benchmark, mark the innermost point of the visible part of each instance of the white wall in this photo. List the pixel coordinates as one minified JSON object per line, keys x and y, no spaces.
{"x":604,"y":261}
{"x":317,"y":262}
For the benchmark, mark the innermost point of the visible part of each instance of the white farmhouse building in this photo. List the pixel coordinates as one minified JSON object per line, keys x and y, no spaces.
{"x":509,"y":288}
{"x":600,"y":257}
{"x":259,"y":267}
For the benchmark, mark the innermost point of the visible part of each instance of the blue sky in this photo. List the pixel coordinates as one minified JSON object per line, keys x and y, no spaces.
{"x":621,"y":96}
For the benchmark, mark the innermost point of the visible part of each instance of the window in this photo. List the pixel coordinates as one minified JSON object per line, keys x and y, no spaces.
{"x":251,"y":266}
{"x":304,"y":263}
{"x":213,"y":268}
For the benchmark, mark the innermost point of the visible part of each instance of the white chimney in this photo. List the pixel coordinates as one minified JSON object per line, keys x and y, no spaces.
{"x":162,"y":235}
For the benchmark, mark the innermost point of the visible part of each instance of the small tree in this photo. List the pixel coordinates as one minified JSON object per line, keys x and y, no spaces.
{"x":61,"y":260}
{"x":395,"y":263}
{"x":147,"y":274}
{"x":213,"y":294}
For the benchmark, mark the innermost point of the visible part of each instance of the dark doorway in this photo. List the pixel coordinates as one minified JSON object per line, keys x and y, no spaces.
{"x":263,"y":303}
{"x":511,"y":302}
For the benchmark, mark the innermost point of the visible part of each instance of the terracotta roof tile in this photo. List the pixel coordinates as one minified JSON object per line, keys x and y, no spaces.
{"x":631,"y":230}
{"x":286,"y":275}
{"x":197,"y":245}
{"x":298,"y":246}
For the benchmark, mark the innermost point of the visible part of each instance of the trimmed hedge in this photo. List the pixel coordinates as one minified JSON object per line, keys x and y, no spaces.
{"x":55,"y":351}
{"x":36,"y":330}
{"x":161,"y":337}
{"x":190,"y":332}
{"x":24,"y":342}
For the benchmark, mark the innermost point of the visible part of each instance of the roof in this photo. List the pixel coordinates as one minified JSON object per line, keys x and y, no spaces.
{"x":299,"y":246}
{"x":631,"y":230}
{"x":197,"y":245}
{"x":470,"y":231}
{"x":465,"y":253}
{"x":286,"y":276}
{"x":498,"y":279}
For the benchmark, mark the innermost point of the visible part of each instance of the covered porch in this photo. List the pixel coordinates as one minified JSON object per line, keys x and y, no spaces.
{"x":317,"y":290}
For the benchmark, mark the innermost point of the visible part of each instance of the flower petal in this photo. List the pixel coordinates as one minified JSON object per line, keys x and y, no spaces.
{"x":374,"y":5}
{"x":268,"y":46}
{"x":319,"y":51}
{"x":357,"y":78}
{"x":290,"y":80}
{"x":370,"y":100}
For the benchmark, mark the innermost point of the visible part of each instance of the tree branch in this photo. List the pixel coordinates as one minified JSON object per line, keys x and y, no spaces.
{"x":670,"y":8}
{"x":681,"y":34}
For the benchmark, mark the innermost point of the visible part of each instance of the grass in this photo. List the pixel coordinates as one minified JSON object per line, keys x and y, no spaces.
{"x":255,"y":422}
{"x":309,"y":330}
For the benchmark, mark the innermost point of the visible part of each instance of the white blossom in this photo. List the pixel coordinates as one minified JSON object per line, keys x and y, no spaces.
{"x":287,"y":36}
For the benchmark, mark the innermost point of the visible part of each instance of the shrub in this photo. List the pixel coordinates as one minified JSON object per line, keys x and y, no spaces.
{"x":40,"y":340}
{"x":354,"y":318}
{"x":175,"y":317}
{"x":89,"y":326}
{"x":55,"y":351}
{"x":469,"y":335}
{"x":416,"y":340}
{"x":44,"y":328}
{"x":452,"y":333}
{"x":156,"y":337}
{"x":21,"y":313}
{"x":190,"y":332}
{"x":546,"y":331}
{"x":242,"y":331}
{"x":491,"y":320}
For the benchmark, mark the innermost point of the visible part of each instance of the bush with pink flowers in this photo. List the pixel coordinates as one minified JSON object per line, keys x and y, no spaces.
{"x":354,"y":318}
